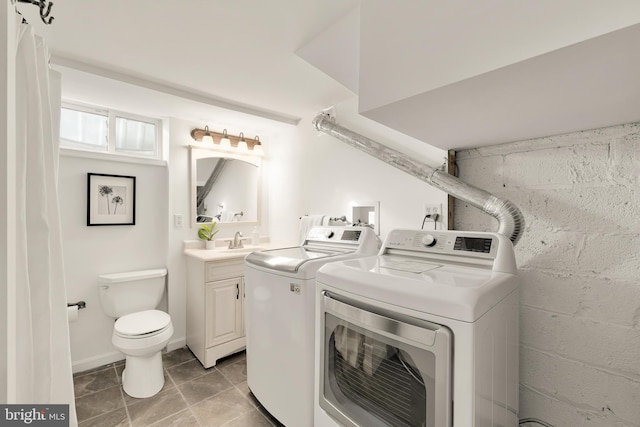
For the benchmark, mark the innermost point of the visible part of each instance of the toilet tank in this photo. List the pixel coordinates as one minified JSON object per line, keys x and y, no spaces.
{"x":126,"y":293}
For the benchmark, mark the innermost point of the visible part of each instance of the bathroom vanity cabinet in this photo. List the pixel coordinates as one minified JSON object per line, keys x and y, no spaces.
{"x":215,"y":307}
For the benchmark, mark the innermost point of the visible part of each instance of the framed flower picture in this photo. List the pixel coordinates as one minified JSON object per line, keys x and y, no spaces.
{"x":111,"y":199}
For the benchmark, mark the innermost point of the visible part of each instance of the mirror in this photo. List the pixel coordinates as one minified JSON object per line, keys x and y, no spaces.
{"x":225,"y":187}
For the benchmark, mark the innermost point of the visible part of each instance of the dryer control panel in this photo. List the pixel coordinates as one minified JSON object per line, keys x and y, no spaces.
{"x":473,"y":244}
{"x":490,"y":249}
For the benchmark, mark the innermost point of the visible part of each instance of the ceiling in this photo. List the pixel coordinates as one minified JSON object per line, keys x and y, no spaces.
{"x":247,"y":56}
{"x":238,"y":54}
{"x":465,"y":74}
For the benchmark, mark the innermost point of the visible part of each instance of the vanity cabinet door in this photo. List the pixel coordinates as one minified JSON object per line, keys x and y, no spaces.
{"x":224,"y":316}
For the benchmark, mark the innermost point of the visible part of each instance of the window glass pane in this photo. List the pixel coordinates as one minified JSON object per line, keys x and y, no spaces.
{"x":79,"y":129}
{"x":136,"y":137}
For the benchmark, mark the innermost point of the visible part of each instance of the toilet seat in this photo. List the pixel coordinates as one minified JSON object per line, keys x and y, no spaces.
{"x":142,"y":324}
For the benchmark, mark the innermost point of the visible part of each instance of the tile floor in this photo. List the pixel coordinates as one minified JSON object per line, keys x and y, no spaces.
{"x":192,"y":396}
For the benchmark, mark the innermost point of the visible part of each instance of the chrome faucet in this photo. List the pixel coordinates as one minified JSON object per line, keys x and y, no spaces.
{"x":236,"y":243}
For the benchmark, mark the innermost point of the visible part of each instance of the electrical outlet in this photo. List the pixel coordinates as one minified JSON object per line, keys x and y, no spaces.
{"x":431,"y":209}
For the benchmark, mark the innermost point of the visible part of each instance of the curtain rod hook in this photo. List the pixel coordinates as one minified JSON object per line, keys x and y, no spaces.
{"x":45,"y":14}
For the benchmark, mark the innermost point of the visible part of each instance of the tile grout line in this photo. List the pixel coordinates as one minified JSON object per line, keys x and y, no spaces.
{"x":243,"y":396}
{"x":255,"y":408}
{"x":118,"y":384}
{"x":233,"y":419}
{"x":124,"y":401}
{"x":183,"y":363}
{"x":173,"y":381}
{"x":182,"y":395}
{"x":226,"y":378}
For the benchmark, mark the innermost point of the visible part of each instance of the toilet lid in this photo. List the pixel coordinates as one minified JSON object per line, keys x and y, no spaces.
{"x":142,"y":322}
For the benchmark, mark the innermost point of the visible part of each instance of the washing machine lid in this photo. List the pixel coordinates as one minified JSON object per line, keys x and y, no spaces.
{"x":320,"y":244}
{"x":142,"y":323}
{"x":291,"y":259}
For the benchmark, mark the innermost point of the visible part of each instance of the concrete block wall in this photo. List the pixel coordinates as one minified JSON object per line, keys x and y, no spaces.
{"x":579,"y":264}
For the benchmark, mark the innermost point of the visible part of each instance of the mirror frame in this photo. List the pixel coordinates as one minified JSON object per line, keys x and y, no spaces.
{"x":196,"y":153}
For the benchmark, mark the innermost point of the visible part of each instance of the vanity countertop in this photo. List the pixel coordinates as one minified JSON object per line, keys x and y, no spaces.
{"x":221,"y":252}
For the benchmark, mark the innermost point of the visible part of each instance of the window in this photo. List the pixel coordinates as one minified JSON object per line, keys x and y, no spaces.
{"x":84,"y":130}
{"x":107,"y":131}
{"x":135,"y":137}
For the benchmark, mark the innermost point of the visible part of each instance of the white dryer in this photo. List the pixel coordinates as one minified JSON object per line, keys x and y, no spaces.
{"x":280,"y":317}
{"x":423,"y":334}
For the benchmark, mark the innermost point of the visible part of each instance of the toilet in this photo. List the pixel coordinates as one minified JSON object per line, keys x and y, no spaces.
{"x":140,"y":331}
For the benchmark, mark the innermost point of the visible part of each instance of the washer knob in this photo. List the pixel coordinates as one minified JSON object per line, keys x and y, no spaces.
{"x":429,"y":240}
{"x":329,"y":234}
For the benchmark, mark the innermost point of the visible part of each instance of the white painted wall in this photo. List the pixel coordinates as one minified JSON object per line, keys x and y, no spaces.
{"x":91,"y":251}
{"x":179,"y":203}
{"x":334,"y":175}
{"x":579,"y":262}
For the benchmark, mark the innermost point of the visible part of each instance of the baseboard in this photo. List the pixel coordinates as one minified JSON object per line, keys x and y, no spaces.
{"x":96,"y":362}
{"x":176,"y":344}
{"x":116,"y":356}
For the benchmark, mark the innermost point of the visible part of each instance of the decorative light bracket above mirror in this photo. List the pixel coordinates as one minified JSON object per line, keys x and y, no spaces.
{"x":211,"y":139}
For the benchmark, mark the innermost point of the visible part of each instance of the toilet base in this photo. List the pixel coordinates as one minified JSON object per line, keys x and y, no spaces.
{"x":143,"y":376}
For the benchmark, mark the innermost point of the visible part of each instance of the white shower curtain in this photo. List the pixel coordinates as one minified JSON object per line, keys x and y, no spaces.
{"x":43,"y":374}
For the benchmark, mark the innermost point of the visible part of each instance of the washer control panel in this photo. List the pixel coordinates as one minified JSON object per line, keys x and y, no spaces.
{"x":361,"y":239}
{"x":335,"y":234}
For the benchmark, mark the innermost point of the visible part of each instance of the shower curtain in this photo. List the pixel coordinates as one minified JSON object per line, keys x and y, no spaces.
{"x":43,"y":373}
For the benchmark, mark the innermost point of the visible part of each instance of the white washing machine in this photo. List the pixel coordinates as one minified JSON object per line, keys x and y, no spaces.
{"x":280,"y":317}
{"x":423,"y":334}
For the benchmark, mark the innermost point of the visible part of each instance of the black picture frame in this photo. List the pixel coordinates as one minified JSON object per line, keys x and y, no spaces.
{"x":111,"y":199}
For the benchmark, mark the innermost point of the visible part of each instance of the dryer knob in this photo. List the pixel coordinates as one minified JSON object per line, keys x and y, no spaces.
{"x":429,"y":240}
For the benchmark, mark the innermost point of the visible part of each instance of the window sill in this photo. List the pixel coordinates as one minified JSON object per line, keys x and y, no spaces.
{"x":71,"y":152}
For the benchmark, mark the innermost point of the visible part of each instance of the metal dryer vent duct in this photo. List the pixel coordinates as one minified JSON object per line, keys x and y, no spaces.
{"x":508,"y":215}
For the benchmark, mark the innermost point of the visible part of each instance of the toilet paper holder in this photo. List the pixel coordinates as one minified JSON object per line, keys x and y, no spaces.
{"x":80,"y":304}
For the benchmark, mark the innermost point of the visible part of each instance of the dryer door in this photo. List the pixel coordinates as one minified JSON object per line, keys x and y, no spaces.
{"x":383,"y":369}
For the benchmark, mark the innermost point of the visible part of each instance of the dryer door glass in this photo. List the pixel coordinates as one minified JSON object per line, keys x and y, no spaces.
{"x":372,"y":377}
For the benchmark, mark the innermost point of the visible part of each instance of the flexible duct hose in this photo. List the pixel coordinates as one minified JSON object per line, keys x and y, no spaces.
{"x":511,"y":220}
